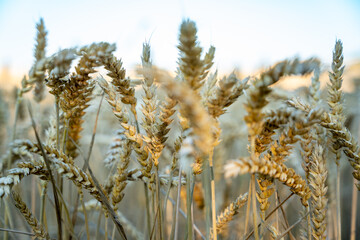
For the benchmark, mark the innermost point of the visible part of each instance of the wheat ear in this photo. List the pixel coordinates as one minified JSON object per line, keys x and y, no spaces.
{"x":274,"y":170}
{"x":119,"y":81}
{"x":62,"y":162}
{"x":343,"y":137}
{"x":30,"y":219}
{"x":230,"y":211}
{"x":149,"y":107}
{"x":59,"y":66}
{"x":77,"y":92}
{"x":121,"y":175}
{"x":335,"y":102}
{"x":317,"y":181}
{"x":222,"y":96}
{"x":37,"y":73}
{"x":193,"y":68}
{"x":137,"y":140}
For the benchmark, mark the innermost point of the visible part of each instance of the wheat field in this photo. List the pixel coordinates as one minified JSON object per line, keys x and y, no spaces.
{"x":88,"y":152}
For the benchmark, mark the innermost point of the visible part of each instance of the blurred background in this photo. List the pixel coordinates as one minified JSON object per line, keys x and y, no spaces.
{"x":247,"y":34}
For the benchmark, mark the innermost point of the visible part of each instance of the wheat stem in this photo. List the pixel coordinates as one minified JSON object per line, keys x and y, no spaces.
{"x":98,"y":224}
{"x":247,"y":216}
{"x":86,"y":220}
{"x":148,"y":216}
{"x":254,"y":208}
{"x":338,"y":199}
{"x":207,"y":193}
{"x":43,"y":202}
{"x":212,"y":185}
{"x":176,"y":222}
{"x":158,"y":204}
{"x":353,"y":212}
{"x":190,"y":231}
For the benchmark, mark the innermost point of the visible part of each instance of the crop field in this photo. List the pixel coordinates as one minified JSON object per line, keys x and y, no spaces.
{"x":89,"y":152}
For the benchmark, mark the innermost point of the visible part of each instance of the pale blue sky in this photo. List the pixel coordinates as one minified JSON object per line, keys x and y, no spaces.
{"x":246,"y":34}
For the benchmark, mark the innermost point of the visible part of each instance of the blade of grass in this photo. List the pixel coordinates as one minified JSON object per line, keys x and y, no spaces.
{"x":47,"y":163}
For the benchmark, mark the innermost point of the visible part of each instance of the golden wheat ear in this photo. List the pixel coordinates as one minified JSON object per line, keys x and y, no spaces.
{"x":37,"y":74}
{"x":37,"y":227}
{"x":130,"y":131}
{"x":59,"y":66}
{"x":229,"y":212}
{"x":77,"y":91}
{"x":120,"y":178}
{"x":149,"y":107}
{"x":317,"y":181}
{"x":278,"y":171}
{"x":225,"y":94}
{"x":121,"y":84}
{"x":194,"y":69}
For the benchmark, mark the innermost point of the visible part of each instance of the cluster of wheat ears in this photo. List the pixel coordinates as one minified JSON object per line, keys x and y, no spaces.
{"x":169,"y":145}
